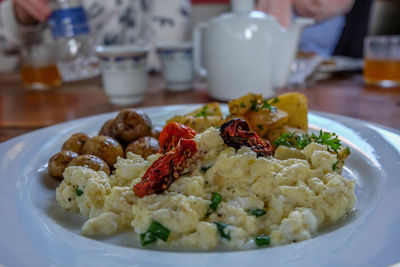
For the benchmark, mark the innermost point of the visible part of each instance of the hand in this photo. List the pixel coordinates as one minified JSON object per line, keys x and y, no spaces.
{"x":280,"y":9}
{"x":30,"y":12}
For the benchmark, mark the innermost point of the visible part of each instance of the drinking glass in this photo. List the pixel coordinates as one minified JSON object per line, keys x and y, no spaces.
{"x":382,"y":60}
{"x":39,"y":67}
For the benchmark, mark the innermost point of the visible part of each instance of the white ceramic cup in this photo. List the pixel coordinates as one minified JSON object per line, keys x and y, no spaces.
{"x":124,"y":71}
{"x":177,"y":65}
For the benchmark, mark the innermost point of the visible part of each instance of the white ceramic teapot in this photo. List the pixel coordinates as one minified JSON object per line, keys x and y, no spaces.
{"x":245,"y":51}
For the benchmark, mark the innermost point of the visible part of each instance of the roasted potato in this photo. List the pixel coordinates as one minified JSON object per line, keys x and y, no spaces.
{"x":75,"y":143}
{"x":243,"y":104}
{"x":144,"y":146}
{"x":295,"y":104}
{"x":131,"y":124}
{"x":91,"y":162}
{"x":108,"y":129}
{"x":264,"y":120}
{"x":209,"y":109}
{"x":104,"y":147}
{"x":59,"y":162}
{"x":199,"y":124}
{"x":209,"y":115}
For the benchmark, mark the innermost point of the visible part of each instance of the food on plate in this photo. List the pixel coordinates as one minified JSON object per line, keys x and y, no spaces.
{"x":144,"y":146}
{"x":58,"y":162}
{"x":108,"y":129}
{"x":92,"y":162}
{"x":209,"y":115}
{"x":252,"y":179}
{"x":131,"y":124}
{"x":104,"y":147}
{"x":172,"y":133}
{"x":224,"y":187}
{"x":295,"y":105}
{"x":75,"y":143}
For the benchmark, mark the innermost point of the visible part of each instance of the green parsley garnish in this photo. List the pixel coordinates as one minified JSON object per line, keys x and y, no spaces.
{"x":221,"y":229}
{"x":331,"y":140}
{"x":275,"y":100}
{"x":262,"y":240}
{"x":335,"y":166}
{"x":256,"y":212}
{"x":268,"y":106}
{"x":242,"y":105}
{"x":158,"y":230}
{"x":253,"y":106}
{"x":79,"y":192}
{"x":215,"y":200}
{"x":347,"y":151}
{"x":155,"y":230}
{"x":203,"y":112}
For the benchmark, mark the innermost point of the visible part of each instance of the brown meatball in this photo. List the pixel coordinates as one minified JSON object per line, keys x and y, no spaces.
{"x":104,"y":147}
{"x":75,"y":143}
{"x":144,"y":146}
{"x":92,"y":162}
{"x":107,"y":129}
{"x":131,"y":124}
{"x":156,"y":131}
{"x":59,"y":162}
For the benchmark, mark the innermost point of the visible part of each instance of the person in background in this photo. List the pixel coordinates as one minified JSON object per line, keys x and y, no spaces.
{"x":323,"y":36}
{"x":112,"y":22}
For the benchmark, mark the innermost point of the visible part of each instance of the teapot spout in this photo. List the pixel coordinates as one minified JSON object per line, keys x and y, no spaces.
{"x":287,"y":50}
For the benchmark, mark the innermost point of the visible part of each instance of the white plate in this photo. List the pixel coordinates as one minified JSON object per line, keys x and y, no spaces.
{"x":32,"y":233}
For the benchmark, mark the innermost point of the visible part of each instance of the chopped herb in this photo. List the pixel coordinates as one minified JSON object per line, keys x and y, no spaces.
{"x":259,"y":126}
{"x":253,"y":106}
{"x":204,"y":169}
{"x":347,"y":150}
{"x":331,"y":140}
{"x":147,"y":238}
{"x":221,"y":229}
{"x":203,"y":112}
{"x":242,"y":105}
{"x":262,"y":240}
{"x":158,"y":230}
{"x":268,"y":106}
{"x":257,"y":212}
{"x":215,"y":200}
{"x":275,"y":100}
{"x":335,"y":166}
{"x":79,"y":192}
{"x":217,"y":127}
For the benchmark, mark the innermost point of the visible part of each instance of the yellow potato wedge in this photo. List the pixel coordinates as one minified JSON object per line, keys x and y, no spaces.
{"x":264,"y":120}
{"x":243,"y":104}
{"x":211,"y":109}
{"x":296,"y":106}
{"x":199,"y":124}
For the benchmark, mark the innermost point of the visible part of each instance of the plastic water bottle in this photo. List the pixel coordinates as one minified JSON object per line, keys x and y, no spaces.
{"x":75,"y":47}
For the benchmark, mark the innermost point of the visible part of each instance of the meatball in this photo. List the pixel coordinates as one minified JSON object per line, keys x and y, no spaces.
{"x":90,"y":161}
{"x":107,"y":129}
{"x":75,"y":143}
{"x":131,"y":124}
{"x":156,"y":131}
{"x":104,"y":147}
{"x":59,"y":162}
{"x":144,"y":146}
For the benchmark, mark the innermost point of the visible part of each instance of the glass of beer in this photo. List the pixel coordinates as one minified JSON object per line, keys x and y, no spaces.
{"x":39,"y":69}
{"x":382,"y":60}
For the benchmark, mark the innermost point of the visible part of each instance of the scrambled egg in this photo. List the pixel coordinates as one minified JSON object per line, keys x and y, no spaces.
{"x":298,"y":195}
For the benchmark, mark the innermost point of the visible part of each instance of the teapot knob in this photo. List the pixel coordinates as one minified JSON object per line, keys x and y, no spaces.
{"x":242,"y":6}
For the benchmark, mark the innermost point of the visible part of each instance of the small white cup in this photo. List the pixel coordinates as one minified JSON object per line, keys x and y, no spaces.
{"x":177,"y":65}
{"x":124,"y":70}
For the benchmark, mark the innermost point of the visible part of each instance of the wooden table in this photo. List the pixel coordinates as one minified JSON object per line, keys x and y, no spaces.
{"x":22,"y":111}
